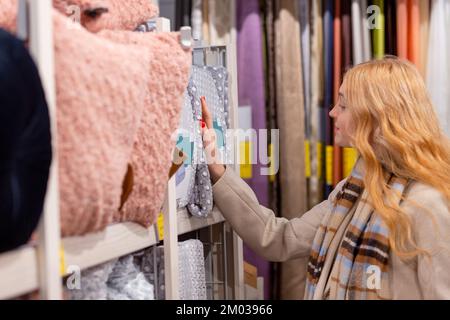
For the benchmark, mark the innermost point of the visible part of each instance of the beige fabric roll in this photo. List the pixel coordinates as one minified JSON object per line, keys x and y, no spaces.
{"x":220,"y":21}
{"x":119,"y":95}
{"x":290,"y":111}
{"x":424,"y":9}
{"x":205,"y":22}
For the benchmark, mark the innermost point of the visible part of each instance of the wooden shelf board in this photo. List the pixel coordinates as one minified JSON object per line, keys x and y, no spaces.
{"x":18,"y":269}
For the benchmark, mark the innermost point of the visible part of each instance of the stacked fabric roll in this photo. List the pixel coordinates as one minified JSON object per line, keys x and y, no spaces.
{"x":141,"y":276}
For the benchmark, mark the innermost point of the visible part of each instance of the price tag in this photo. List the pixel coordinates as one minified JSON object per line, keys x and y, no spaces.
{"x":246,"y":160}
{"x":319,"y":160}
{"x":329,"y":165}
{"x":272,"y":173}
{"x":62,"y":261}
{"x":350,"y":157}
{"x":307,"y":159}
{"x":160,"y":226}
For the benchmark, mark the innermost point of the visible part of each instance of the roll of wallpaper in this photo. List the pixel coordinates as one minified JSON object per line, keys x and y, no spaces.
{"x":361,"y":40}
{"x":290,"y":113}
{"x":290,"y":110}
{"x":183,"y":13}
{"x":252,"y":93}
{"x":402,"y":28}
{"x":315,"y":185}
{"x":25,"y":144}
{"x":205,"y":21}
{"x":274,"y":186}
{"x":338,"y":67}
{"x":414,"y":32}
{"x":347,"y":41}
{"x":438,"y":67}
{"x":305,"y":30}
{"x":251,"y":79}
{"x":347,"y":45}
{"x":390,"y":9}
{"x":197,"y":20}
{"x":379,"y":31}
{"x":367,"y":43}
{"x":328,"y":95}
{"x":220,"y":21}
{"x":357,"y":29}
{"x":424,"y":10}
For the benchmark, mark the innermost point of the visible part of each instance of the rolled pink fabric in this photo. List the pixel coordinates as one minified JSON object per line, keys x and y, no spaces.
{"x":152,"y":152}
{"x":402,"y":28}
{"x":8,"y":15}
{"x":131,"y":85}
{"x":121,"y":15}
{"x":98,"y":114}
{"x":119,"y":96}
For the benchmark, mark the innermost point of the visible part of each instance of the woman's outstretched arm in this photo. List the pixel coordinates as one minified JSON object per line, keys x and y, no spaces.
{"x":275,"y":239}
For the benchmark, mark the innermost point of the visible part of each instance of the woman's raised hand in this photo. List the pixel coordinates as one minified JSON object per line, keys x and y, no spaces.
{"x":216,"y":168}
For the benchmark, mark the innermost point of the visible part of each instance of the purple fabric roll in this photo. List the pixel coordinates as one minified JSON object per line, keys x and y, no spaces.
{"x":251,"y":93}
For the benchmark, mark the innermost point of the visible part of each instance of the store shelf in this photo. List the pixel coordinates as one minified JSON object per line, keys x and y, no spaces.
{"x":18,"y":272}
{"x":18,"y":269}
{"x":115,"y":241}
{"x":125,"y":238}
{"x":187,"y":223}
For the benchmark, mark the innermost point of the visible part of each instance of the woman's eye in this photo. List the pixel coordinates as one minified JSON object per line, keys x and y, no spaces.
{"x":342,"y":107}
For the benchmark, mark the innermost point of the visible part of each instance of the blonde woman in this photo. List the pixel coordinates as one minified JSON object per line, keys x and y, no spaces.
{"x":384,"y":232}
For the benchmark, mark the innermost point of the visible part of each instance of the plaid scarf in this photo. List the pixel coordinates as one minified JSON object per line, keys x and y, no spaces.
{"x":360,"y":269}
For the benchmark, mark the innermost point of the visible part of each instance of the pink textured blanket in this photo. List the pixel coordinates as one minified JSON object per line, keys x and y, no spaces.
{"x":119,"y":96}
{"x":98,"y":114}
{"x":120,"y":14}
{"x":152,"y":152}
{"x":8,"y":15}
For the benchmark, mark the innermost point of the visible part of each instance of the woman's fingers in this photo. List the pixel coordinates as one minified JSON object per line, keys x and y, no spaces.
{"x":207,"y":118}
{"x":209,"y":137}
{"x":209,"y":134}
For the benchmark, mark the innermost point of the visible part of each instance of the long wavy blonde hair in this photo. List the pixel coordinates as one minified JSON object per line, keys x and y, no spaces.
{"x":396,"y":129}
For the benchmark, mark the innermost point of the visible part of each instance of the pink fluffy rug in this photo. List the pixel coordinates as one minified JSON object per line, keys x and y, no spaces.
{"x":152,"y":152}
{"x":119,"y":96}
{"x":8,"y":15}
{"x":120,"y":15}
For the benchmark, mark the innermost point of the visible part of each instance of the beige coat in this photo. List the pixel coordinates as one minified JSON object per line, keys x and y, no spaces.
{"x":278,"y":239}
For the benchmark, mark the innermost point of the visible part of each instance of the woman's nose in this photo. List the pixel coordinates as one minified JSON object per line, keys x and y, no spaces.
{"x":333,"y":112}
